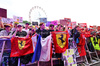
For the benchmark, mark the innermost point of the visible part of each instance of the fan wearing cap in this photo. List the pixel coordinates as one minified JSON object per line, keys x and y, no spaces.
{"x":19,"y":32}
{"x":59,"y":27}
{"x":5,"y":33}
{"x":15,"y":26}
{"x":26,"y":27}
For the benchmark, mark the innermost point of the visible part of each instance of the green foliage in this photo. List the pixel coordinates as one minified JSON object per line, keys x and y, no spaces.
{"x":26,"y":22}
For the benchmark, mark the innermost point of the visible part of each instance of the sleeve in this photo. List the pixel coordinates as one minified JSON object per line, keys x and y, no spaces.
{"x":2,"y":33}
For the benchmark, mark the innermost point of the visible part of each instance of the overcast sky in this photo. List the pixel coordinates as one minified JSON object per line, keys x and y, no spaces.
{"x":81,"y":11}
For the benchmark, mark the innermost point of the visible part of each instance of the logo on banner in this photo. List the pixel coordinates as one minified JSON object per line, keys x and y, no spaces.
{"x":21,"y":44}
{"x":61,"y":40}
{"x":18,"y":19}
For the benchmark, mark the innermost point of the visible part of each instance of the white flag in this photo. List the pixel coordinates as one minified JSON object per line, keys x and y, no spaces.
{"x":46,"y":46}
{"x":34,"y":41}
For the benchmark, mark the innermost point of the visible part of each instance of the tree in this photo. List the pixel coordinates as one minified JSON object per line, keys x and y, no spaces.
{"x":26,"y":22}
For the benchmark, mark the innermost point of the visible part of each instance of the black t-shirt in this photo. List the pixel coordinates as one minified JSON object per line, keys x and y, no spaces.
{"x":21,"y":34}
{"x":50,"y":30}
{"x":44,"y":33}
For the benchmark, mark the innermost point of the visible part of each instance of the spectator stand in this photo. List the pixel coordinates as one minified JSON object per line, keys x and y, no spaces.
{"x":93,"y":60}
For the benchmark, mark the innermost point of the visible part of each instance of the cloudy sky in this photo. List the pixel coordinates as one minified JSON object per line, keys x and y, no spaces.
{"x":81,"y":11}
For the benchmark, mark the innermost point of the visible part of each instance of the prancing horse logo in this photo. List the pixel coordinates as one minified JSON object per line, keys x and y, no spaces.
{"x":21,"y":44}
{"x":61,"y":40}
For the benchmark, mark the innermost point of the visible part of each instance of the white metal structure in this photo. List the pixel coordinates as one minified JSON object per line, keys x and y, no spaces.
{"x":35,"y":13}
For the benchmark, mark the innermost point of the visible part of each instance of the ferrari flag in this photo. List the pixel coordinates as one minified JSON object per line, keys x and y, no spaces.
{"x":60,"y":39}
{"x":21,"y":46}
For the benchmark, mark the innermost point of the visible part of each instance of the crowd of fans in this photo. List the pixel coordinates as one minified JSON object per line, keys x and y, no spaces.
{"x":9,"y":31}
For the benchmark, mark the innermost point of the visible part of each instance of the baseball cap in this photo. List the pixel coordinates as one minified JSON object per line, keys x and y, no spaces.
{"x":7,"y":25}
{"x":16,"y":22}
{"x":19,"y":25}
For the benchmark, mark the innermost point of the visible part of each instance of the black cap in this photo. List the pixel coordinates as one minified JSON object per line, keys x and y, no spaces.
{"x":19,"y":25}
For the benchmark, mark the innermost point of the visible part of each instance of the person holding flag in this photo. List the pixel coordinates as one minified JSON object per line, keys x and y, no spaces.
{"x":60,"y":40}
{"x":42,"y":31}
{"x":21,"y":46}
{"x":19,"y":32}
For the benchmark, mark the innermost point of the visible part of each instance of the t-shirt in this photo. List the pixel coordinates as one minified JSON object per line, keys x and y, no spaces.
{"x":44,"y":33}
{"x":25,"y":30}
{"x":21,"y":34}
{"x":4,"y":33}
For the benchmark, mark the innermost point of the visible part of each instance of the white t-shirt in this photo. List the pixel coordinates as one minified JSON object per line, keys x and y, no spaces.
{"x":25,"y":30}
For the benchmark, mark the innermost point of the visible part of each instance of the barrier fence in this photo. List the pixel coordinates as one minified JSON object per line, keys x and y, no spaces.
{"x":94,"y":59}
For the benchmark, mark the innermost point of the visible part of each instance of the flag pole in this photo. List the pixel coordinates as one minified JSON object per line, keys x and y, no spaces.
{"x":51,"y":62}
{"x":18,"y":61}
{"x":38,"y":63}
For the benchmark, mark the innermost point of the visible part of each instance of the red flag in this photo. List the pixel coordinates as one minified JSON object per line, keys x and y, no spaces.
{"x":81,"y":45}
{"x":60,"y":39}
{"x":21,"y":46}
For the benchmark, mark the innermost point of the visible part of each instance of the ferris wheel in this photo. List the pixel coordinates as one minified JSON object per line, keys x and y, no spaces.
{"x":35,"y":13}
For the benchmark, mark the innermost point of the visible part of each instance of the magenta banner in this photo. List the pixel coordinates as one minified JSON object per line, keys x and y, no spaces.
{"x":55,"y":22}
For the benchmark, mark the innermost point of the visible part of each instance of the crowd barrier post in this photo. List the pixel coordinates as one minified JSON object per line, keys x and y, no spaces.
{"x":38,"y":63}
{"x":2,"y":50}
{"x":19,"y":62}
{"x":51,"y":62}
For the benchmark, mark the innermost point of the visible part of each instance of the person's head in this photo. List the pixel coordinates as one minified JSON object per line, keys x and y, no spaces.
{"x":32,"y":30}
{"x":15,"y":24}
{"x":7,"y":27}
{"x":30,"y":27}
{"x":64,"y":29}
{"x":98,"y":33}
{"x":19,"y":27}
{"x":42,"y":26}
{"x":77,"y":27}
{"x":11,"y":23}
{"x":86,"y":29}
{"x":26,"y":25}
{"x":51,"y":27}
{"x":59,"y":27}
{"x":93,"y":33}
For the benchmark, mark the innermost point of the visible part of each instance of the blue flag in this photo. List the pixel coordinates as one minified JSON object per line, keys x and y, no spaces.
{"x":37,"y":51}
